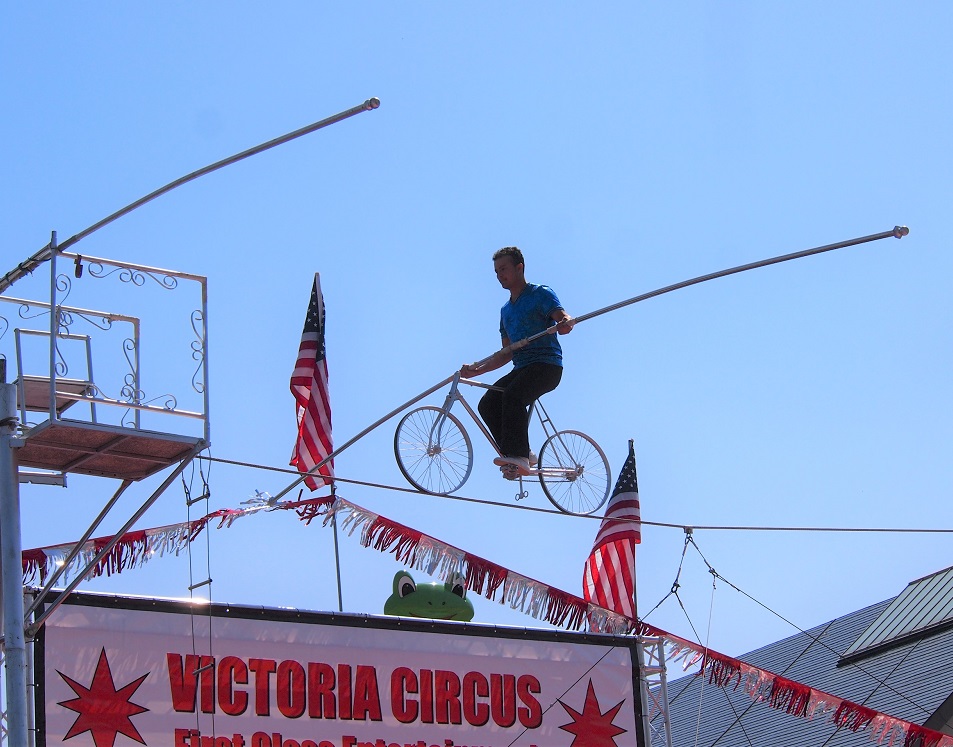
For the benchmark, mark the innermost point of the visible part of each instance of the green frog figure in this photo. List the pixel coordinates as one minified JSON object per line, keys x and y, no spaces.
{"x":432,"y":601}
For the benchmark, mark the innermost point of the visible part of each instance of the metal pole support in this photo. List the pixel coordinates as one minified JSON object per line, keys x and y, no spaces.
{"x":11,"y":571}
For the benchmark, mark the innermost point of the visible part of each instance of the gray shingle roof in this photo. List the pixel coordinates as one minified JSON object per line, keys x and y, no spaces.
{"x":909,"y":681}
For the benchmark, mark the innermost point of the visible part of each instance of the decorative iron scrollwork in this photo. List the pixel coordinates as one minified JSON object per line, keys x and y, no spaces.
{"x":131,"y":379}
{"x":25,"y":309}
{"x":130,"y":392}
{"x":60,"y":365}
{"x":128,"y":419}
{"x":198,"y":350}
{"x":69,"y":332}
{"x":169,"y":404}
{"x":135,"y":276}
{"x":63,"y":286}
{"x":65,"y":320}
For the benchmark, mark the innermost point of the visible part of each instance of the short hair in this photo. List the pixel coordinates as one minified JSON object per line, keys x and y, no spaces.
{"x":510,"y":251}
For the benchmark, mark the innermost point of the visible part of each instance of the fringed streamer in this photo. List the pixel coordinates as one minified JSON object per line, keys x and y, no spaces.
{"x":566,"y":610}
{"x":917,"y":736}
{"x":601,"y":620}
{"x":799,"y":699}
{"x":533,"y":598}
{"x":229,"y":516}
{"x":384,"y":534}
{"x":617,"y":624}
{"x":173,"y":539}
{"x":437,"y":559}
{"x":597,"y":621}
{"x":338,"y":507}
{"x":34,"y":562}
{"x":789,"y":696}
{"x":821,"y":704}
{"x":525,"y":595}
{"x":134,"y":549}
{"x":757,"y":683}
{"x":484,"y":577}
{"x":355,"y":517}
{"x":313,"y":508}
{"x":853,"y":716}
{"x":722,"y":670}
{"x":887,"y":730}
{"x":128,"y":552}
{"x":681,"y":650}
{"x":309,"y":513}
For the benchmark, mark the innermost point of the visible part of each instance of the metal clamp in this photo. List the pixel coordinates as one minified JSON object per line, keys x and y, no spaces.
{"x":523,"y":493}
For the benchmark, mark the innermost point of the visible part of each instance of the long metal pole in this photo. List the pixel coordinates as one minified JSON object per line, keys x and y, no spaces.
{"x":897,"y":232}
{"x":31,"y":687}
{"x":11,"y":569}
{"x":54,"y":330}
{"x":28,"y":266}
{"x":337,"y":557}
{"x":642,"y":734}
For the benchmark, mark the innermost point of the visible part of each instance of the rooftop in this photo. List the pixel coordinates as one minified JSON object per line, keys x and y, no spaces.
{"x":907,"y":645}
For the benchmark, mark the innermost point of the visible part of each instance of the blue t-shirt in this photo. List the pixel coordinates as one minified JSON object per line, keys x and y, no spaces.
{"x":529,"y":315}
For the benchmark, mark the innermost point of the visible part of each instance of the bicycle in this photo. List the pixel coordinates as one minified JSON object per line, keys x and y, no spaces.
{"x":434,"y":453}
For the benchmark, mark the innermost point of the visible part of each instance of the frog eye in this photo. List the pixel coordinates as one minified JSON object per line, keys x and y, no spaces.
{"x":457,"y":584}
{"x":404,"y":585}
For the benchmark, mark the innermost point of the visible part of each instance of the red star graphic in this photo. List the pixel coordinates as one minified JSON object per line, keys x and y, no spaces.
{"x":592,"y":728}
{"x":103,"y":710}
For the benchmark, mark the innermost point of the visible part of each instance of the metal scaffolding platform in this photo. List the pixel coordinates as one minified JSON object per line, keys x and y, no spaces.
{"x":113,"y":429}
{"x":100,"y":450}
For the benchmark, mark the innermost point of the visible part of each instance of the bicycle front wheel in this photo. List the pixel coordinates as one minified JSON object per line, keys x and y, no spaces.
{"x":433,"y":451}
{"x":574,"y":472}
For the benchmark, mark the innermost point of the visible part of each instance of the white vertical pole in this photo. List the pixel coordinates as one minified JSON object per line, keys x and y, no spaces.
{"x":11,"y":571}
{"x":642,"y":733}
{"x":337,"y":556}
{"x":54,"y":326}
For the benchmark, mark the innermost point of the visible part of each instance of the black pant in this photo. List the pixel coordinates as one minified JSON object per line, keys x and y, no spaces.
{"x":505,"y":413}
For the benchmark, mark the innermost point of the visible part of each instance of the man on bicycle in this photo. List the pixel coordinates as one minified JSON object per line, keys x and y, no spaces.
{"x":537,"y":367}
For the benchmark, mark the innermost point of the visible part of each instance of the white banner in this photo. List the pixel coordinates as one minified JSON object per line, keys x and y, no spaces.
{"x":153,"y":674}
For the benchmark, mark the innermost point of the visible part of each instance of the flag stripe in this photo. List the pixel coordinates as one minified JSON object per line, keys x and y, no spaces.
{"x":609,"y":574}
{"x":309,"y":385}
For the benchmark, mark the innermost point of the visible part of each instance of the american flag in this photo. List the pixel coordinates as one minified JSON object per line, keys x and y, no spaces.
{"x":609,"y":577}
{"x":309,"y":385}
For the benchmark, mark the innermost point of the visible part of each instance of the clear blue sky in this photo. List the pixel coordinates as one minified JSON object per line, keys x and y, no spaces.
{"x":623,"y":148}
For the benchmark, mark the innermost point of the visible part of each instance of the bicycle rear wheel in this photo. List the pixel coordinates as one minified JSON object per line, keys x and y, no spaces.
{"x":574,"y":472}
{"x":433,"y":451}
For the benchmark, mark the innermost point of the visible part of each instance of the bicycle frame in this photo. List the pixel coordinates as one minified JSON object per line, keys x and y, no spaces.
{"x":455,"y":395}
{"x":435,"y":453}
